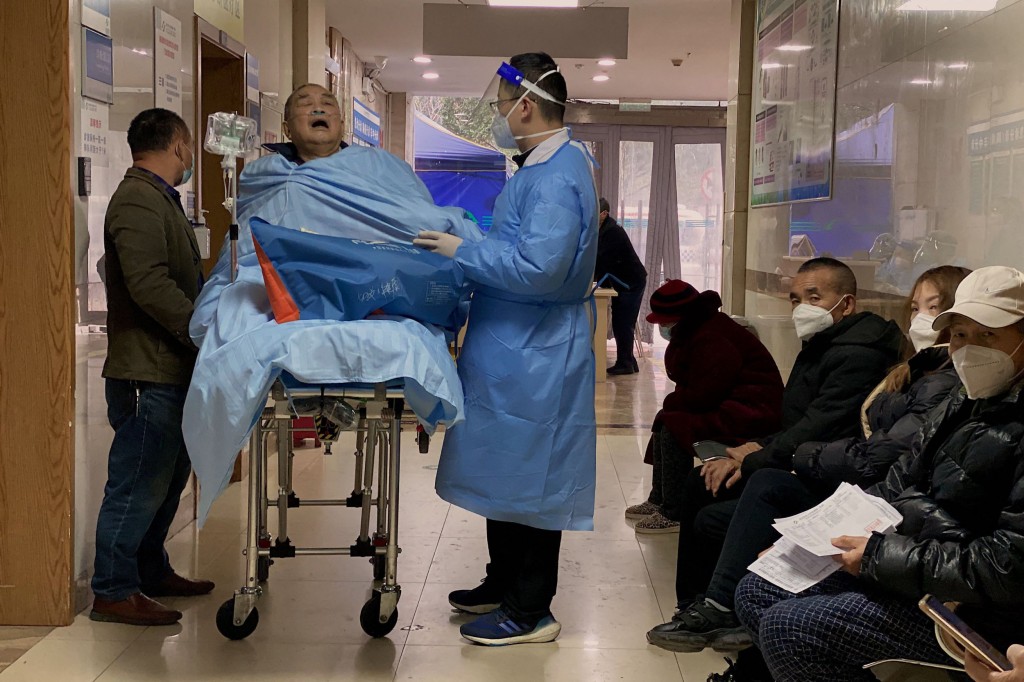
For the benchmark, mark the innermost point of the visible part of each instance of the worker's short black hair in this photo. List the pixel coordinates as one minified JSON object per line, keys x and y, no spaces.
{"x":155,"y":130}
{"x":842,"y":276}
{"x":604,"y":205}
{"x":533,"y":65}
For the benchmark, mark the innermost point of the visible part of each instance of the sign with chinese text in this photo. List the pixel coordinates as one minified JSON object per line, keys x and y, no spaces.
{"x":95,"y":132}
{"x":167,"y":61}
{"x":98,"y":71}
{"x":794,"y":101}
{"x":365,"y":125}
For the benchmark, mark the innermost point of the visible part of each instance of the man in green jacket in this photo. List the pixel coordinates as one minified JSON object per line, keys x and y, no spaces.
{"x":153,"y":276}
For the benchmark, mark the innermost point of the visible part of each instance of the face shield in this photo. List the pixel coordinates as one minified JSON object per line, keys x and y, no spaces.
{"x":502,"y":96}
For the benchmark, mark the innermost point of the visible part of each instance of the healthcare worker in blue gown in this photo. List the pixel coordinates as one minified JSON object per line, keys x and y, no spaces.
{"x":525,"y":456}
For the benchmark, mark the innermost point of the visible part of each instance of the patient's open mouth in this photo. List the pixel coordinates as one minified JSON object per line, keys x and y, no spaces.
{"x":320,"y":123}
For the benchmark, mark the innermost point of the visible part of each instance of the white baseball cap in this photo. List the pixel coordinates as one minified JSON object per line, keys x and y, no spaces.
{"x":991,"y":296}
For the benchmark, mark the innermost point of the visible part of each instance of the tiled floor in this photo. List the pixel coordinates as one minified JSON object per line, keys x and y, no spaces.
{"x":612,"y":589}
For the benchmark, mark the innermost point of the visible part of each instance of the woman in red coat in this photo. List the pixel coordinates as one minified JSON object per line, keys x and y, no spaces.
{"x":728,"y":389}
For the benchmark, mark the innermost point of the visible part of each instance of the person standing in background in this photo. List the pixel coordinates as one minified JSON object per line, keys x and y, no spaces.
{"x":617,"y":260}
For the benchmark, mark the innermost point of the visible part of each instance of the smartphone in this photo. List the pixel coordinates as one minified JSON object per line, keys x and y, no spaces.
{"x":963,"y":634}
{"x":709,"y":451}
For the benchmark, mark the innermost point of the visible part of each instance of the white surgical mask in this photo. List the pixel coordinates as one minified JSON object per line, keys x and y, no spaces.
{"x":501,"y":131}
{"x":921,"y":333}
{"x":810,"y":319}
{"x":985,"y":372}
{"x":665,"y":331}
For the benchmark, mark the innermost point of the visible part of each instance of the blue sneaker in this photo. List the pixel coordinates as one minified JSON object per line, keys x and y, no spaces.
{"x":498,"y":628}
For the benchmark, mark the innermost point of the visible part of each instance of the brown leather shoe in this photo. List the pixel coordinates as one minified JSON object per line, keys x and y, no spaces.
{"x":137,"y":609}
{"x":176,"y":586}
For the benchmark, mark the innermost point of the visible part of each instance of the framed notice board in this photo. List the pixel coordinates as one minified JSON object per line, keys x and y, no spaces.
{"x":794,"y":101}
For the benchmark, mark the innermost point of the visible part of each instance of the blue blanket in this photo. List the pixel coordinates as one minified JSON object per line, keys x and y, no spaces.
{"x":358,"y":193}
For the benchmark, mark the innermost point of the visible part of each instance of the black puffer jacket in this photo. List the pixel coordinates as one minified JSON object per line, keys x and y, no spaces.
{"x":832,"y":375}
{"x":894,"y":419}
{"x":961,"y":493}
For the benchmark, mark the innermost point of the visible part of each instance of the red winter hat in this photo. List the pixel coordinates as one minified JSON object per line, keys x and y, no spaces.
{"x":674,"y":299}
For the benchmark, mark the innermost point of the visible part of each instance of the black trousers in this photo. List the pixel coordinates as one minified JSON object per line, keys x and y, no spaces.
{"x":524,"y":566}
{"x":672,"y":466}
{"x":703,"y":522}
{"x":625,"y":309}
{"x":770,"y":494}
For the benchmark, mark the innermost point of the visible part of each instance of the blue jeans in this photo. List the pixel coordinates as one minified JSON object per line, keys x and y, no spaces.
{"x":147,"y":470}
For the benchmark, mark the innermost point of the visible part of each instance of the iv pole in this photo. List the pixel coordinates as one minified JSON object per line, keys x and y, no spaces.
{"x":232,"y":136}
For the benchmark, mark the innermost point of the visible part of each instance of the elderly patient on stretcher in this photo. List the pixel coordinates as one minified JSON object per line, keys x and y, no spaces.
{"x":324,"y":248}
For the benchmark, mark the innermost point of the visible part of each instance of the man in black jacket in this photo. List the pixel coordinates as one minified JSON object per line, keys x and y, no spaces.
{"x":617,"y":259}
{"x":960,"y":490}
{"x":844,"y":358}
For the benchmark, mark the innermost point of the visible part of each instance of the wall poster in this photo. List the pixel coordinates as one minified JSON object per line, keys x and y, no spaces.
{"x":167,"y":61}
{"x":794,"y":101}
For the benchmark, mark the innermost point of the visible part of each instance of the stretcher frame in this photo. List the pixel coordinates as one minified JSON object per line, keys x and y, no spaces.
{"x":377,"y":461}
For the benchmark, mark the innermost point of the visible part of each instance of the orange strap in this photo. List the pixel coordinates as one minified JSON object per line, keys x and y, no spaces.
{"x":281,"y":302}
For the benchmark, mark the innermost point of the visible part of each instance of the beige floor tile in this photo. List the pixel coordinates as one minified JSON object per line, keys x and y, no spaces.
{"x":220,"y":660}
{"x":587,"y":559}
{"x":464,"y":524}
{"x":84,"y":629}
{"x":64,"y":660}
{"x":535,"y":662}
{"x":298,"y":612}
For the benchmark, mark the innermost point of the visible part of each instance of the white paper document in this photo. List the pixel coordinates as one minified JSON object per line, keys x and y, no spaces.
{"x":793,"y":568}
{"x":804,"y":555}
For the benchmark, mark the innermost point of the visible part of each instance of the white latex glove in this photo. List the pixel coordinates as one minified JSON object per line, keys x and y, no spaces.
{"x":438,"y":242}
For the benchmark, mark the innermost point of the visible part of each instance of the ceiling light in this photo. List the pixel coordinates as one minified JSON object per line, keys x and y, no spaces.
{"x":959,"y":66}
{"x":533,"y":3}
{"x":794,"y":48}
{"x":600,"y":78}
{"x":138,"y":51}
{"x":431,"y":75}
{"x":921,"y":81}
{"x":771,"y":65}
{"x":422,"y":60}
{"x":606,"y":62}
{"x":947,"y":6}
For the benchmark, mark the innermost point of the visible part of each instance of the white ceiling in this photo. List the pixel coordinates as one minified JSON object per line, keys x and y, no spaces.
{"x":659,"y":31}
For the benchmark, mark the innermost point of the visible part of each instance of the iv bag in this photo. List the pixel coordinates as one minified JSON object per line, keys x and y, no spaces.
{"x":230,"y":135}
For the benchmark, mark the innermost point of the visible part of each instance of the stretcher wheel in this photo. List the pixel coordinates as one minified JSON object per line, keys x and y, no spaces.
{"x":226,"y":621}
{"x":369,"y":618}
{"x":263,"y":568}
{"x":423,"y":440}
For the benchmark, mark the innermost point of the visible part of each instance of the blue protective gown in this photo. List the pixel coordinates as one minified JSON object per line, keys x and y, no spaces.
{"x":527,"y":450}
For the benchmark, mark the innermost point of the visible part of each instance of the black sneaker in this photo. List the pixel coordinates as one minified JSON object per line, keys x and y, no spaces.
{"x":483,"y":598}
{"x":619,"y":370}
{"x":700,"y":627}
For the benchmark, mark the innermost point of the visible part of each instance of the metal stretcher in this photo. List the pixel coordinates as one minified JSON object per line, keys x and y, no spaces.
{"x":374,"y":412}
